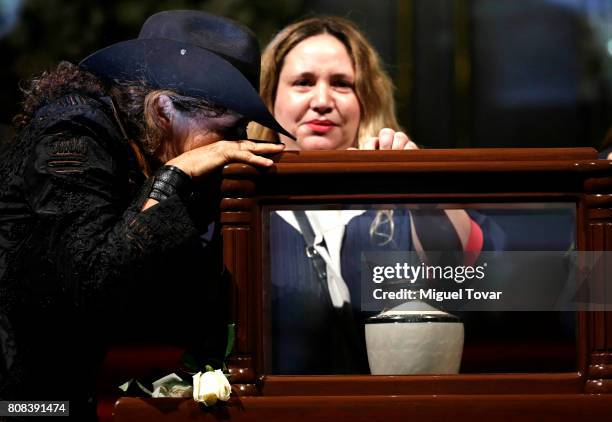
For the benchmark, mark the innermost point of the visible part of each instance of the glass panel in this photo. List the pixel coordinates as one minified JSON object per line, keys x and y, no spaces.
{"x":316,"y":323}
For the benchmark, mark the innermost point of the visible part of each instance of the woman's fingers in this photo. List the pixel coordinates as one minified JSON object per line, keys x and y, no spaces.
{"x":411,"y":145}
{"x":385,"y":138}
{"x":249,"y":152}
{"x":388,"y":139}
{"x":370,"y":143}
{"x":257,"y":147}
{"x":205,"y":159}
{"x":247,"y":157}
{"x":400,"y":140}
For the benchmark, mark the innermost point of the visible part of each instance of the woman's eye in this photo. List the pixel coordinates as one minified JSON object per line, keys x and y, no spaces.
{"x":302,"y":82}
{"x":343,"y":84}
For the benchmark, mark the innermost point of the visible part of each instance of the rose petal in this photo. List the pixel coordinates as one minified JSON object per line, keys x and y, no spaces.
{"x":224,"y":387}
{"x":196,"y":386}
{"x":209,"y":388}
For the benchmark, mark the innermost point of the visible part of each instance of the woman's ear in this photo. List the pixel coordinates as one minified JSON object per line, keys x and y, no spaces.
{"x":163,"y":110}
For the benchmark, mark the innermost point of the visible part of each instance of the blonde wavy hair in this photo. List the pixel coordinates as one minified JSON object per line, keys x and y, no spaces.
{"x":373,"y":86}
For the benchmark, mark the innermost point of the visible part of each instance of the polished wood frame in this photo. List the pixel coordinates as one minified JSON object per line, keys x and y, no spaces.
{"x":457,"y":176}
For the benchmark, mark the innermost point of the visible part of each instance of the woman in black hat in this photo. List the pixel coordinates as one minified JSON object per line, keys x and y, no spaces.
{"x":107,"y":200}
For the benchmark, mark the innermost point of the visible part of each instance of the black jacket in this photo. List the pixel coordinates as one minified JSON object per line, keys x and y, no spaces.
{"x":80,"y":264}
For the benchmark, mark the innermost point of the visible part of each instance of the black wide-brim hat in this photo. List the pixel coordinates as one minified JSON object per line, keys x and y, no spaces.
{"x":195,"y":54}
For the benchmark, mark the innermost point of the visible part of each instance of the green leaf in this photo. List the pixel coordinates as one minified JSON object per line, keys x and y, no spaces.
{"x":124,"y":387}
{"x":231,"y":336}
{"x":208,"y":368}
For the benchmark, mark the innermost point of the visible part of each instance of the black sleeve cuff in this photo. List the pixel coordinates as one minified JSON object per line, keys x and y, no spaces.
{"x":170,"y":180}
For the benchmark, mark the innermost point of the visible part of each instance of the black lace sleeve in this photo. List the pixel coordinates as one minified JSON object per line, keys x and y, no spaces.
{"x":96,"y":243}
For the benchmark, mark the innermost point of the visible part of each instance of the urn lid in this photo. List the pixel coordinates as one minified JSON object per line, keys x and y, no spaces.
{"x":412,"y":311}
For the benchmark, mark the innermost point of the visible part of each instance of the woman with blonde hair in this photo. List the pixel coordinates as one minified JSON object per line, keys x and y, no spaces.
{"x":325,"y":85}
{"x":369,"y":84}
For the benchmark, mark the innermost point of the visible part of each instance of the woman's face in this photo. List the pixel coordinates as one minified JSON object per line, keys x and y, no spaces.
{"x":315,"y":97}
{"x":188,"y":130}
{"x":191,"y":132}
{"x":204,"y":130}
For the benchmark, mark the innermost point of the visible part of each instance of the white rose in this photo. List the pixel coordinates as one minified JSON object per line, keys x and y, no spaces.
{"x":208,"y":387}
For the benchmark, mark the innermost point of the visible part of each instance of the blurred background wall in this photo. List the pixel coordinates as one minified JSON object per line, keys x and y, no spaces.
{"x":468,"y":73}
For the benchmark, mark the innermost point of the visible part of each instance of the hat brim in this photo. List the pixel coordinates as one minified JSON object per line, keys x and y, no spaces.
{"x":183,"y":68}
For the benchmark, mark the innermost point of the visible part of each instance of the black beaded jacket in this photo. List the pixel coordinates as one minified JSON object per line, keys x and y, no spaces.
{"x":81,"y":265}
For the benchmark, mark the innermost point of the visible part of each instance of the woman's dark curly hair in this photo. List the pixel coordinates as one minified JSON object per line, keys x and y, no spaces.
{"x":131,"y":99}
{"x":65,"y":79}
{"x":68,"y":78}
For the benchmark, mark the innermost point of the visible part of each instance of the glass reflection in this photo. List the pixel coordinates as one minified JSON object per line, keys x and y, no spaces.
{"x":316,"y":322}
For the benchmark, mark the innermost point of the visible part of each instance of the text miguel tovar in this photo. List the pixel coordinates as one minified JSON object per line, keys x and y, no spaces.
{"x":412,"y":273}
{"x":435,"y":295}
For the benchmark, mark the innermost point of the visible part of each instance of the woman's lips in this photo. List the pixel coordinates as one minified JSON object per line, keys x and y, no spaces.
{"x":320,"y":126}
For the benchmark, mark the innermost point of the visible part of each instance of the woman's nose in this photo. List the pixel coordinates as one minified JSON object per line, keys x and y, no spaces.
{"x":322,"y":101}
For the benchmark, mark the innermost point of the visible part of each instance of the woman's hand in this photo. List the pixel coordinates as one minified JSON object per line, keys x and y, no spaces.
{"x":203,"y":160}
{"x":389,"y":139}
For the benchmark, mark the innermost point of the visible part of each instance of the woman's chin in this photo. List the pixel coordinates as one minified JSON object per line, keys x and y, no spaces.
{"x":319,"y":142}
